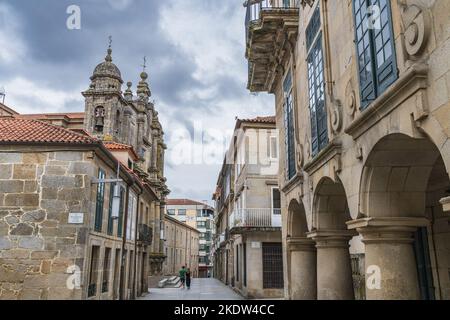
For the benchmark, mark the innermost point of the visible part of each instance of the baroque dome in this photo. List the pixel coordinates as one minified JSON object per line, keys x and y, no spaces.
{"x":107,"y":69}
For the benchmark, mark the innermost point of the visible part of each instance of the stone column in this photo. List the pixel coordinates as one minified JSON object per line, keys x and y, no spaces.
{"x":303,"y":275}
{"x":390,"y":259}
{"x":334,"y":271}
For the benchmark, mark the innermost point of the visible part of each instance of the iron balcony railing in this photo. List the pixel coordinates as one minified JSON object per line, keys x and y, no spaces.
{"x":255,"y":218}
{"x":256,"y":7}
{"x":145,"y":234}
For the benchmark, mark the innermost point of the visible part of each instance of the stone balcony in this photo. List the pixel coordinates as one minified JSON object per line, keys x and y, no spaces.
{"x":245,"y":220}
{"x":272,"y":30}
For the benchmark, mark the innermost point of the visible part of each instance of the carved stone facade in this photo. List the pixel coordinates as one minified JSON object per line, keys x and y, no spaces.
{"x":377,"y":190}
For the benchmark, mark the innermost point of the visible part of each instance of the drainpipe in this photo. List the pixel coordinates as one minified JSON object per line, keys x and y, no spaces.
{"x":124,"y":240}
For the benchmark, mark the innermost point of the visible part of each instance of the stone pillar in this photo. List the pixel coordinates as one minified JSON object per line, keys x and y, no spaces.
{"x":303,"y":275}
{"x":390,"y":256}
{"x":334,"y":271}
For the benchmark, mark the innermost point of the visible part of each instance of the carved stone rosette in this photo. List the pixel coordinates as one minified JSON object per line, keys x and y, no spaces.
{"x":416,"y":23}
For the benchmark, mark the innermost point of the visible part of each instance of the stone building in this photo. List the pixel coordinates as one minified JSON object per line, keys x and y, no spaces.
{"x":200,"y":216}
{"x":248,"y":252}
{"x":181,"y":247}
{"x":362,"y":105}
{"x":60,"y":174}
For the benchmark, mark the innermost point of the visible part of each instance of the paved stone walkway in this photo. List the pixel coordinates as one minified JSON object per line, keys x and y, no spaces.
{"x":201,"y":289}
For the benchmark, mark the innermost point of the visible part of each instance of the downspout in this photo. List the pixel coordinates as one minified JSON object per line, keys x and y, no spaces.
{"x":124,"y":239}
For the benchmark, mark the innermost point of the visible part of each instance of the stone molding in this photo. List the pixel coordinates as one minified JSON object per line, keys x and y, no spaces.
{"x":300,"y":244}
{"x":331,"y":152}
{"x":412,"y":81}
{"x":332,"y":238}
{"x":416,"y":27}
{"x":388,"y":222}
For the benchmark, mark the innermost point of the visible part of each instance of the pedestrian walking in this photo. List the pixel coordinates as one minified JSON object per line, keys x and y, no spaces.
{"x":188,"y":278}
{"x":182,"y":274}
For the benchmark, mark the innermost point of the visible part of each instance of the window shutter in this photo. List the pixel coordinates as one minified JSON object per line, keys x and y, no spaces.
{"x":375,"y":49}
{"x":110,"y":220}
{"x":99,"y":203}
{"x":120,"y":222}
{"x":364,"y":49}
{"x":386,"y":66}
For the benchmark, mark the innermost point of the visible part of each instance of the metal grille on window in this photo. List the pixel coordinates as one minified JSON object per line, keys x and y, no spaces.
{"x":316,"y":84}
{"x":272,"y":266}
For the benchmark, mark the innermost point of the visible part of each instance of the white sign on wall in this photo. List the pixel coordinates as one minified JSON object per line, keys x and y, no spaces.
{"x":256,"y":245}
{"x":76,"y":218}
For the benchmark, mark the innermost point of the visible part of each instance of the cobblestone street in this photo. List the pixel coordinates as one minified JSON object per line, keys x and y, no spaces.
{"x":201,"y":289}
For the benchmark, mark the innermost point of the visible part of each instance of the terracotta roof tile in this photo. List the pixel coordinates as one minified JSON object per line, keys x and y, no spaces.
{"x":69,"y":115}
{"x":269,"y":119}
{"x":115,"y":146}
{"x":24,"y":130}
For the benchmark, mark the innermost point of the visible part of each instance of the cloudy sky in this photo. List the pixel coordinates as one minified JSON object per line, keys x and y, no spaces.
{"x":197,"y":68}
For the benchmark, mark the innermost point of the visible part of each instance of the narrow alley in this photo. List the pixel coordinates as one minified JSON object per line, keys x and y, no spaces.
{"x":201,"y":289}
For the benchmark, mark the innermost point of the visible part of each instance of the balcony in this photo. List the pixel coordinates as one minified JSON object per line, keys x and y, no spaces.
{"x":145,"y":234}
{"x":254,"y":219}
{"x":271,"y":29}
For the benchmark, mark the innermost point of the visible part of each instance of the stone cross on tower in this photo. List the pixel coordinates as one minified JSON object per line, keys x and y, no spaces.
{"x":110,"y":42}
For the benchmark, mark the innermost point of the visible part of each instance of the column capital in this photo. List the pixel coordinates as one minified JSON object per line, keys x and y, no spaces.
{"x":387,"y":229}
{"x":300,"y":244}
{"x":332,"y":238}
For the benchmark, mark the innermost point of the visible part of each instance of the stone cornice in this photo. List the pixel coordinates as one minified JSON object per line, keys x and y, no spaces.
{"x":300,"y":244}
{"x":388,"y":222}
{"x":332,"y":150}
{"x":413,"y":80}
{"x":291,"y":184}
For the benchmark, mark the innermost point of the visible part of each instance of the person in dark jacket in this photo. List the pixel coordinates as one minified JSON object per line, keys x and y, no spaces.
{"x":188,"y":278}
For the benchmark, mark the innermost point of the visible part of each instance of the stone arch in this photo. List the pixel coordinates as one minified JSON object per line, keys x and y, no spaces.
{"x":297,"y":223}
{"x":395,"y":176}
{"x":403,"y":185}
{"x":330,"y":207}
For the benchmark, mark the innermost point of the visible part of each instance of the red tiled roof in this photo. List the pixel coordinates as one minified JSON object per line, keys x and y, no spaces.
{"x":117,"y":146}
{"x":114,"y":146}
{"x":23,"y":130}
{"x":69,"y":115}
{"x":269,"y":119}
{"x":184,"y":202}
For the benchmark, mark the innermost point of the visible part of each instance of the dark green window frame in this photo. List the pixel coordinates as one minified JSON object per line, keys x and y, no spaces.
{"x":289,"y":137}
{"x":377,"y":66}
{"x":110,"y":219}
{"x":121,"y":213}
{"x":316,"y":85}
{"x":99,"y":202}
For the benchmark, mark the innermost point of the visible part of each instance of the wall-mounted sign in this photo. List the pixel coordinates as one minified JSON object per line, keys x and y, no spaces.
{"x":256,"y":245}
{"x":76,"y":218}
